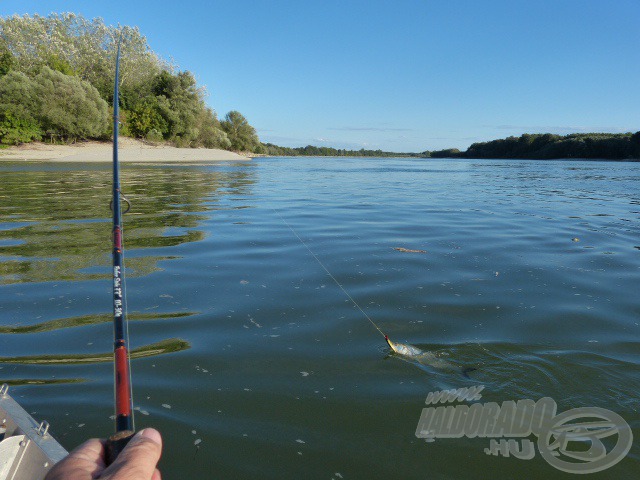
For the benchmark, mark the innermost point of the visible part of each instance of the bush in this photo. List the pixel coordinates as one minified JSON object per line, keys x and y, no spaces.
{"x":144,"y":116}
{"x":18,"y":109}
{"x":18,"y":96}
{"x":14,"y":130}
{"x":153,"y":136}
{"x":70,"y":108}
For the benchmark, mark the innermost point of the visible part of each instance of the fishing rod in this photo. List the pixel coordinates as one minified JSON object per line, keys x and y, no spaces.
{"x":122,"y":373}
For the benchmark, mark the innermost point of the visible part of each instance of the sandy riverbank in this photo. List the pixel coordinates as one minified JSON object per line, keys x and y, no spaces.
{"x":129,"y":150}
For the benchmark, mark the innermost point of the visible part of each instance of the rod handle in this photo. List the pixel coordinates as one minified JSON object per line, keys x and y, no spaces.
{"x":116,"y":443}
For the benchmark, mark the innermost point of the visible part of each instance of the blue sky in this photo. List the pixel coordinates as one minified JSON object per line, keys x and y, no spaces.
{"x":399,"y":75}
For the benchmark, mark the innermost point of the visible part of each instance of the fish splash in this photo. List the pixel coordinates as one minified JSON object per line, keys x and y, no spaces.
{"x":426,"y":358}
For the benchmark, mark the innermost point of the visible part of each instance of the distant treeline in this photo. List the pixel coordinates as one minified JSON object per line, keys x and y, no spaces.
{"x":609,"y":146}
{"x":613,"y":146}
{"x":311,"y":151}
{"x":56,"y":84}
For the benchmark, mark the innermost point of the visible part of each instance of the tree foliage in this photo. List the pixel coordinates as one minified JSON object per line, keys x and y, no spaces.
{"x":15,"y":130}
{"x":446,"y":153}
{"x":62,"y":106}
{"x":548,"y":146}
{"x":18,"y":96}
{"x":242,"y":136}
{"x":84,"y":47}
{"x":157,"y":101}
{"x":6,"y":60}
{"x":70,"y":108}
{"x":313,"y":151}
{"x":19,"y":109}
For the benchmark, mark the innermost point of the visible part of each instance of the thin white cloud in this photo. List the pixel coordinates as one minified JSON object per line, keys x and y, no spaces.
{"x":561,"y":130}
{"x":370,"y":129}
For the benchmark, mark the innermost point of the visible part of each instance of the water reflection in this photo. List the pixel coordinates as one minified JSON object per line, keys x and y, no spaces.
{"x":279,"y":364}
{"x":57,"y":225}
{"x":165,"y":346}
{"x":42,"y":381}
{"x":83,"y":320}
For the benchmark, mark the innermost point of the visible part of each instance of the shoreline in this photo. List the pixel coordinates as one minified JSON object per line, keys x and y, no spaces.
{"x":129,"y":150}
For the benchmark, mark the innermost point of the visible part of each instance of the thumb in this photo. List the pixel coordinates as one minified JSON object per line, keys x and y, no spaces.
{"x":138,"y":459}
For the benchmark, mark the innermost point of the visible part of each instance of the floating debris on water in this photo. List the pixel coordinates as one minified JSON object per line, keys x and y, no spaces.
{"x":575,"y":239}
{"x":197,"y":441}
{"x":244,"y":282}
{"x":300,"y":441}
{"x":409,"y":250}
{"x":304,"y":374}
{"x":255,"y":323}
{"x":166,"y":405}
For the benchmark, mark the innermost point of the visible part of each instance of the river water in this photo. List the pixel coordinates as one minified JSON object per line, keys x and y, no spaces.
{"x":253,"y":361}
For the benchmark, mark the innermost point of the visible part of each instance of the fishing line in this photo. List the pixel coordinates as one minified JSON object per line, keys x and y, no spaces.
{"x":329,"y":273}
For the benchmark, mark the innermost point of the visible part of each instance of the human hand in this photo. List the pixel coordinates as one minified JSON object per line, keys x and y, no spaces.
{"x":137,"y":461}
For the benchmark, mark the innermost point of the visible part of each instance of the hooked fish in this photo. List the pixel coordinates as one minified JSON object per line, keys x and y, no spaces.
{"x":402,"y":349}
{"x":429,"y":359}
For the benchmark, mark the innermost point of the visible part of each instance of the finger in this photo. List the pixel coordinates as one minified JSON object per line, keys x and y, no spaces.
{"x":85,"y":462}
{"x":156,"y":475}
{"x":139,"y":458}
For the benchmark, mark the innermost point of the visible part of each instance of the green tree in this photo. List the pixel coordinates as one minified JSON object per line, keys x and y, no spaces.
{"x":243,"y":137}
{"x":19,"y":106}
{"x":181,"y":103}
{"x":156,"y":100}
{"x":69,"y":107}
{"x":447,"y":153}
{"x":59,"y":64}
{"x":145,"y":116}
{"x":6,"y":60}
{"x":15,"y":130}
{"x":18,"y":95}
{"x":210,"y":133}
{"x":85,"y":47}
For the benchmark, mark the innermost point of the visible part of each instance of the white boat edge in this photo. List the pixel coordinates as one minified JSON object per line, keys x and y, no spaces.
{"x":27,"y":449}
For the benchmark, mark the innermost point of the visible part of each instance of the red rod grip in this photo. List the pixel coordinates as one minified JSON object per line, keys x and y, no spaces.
{"x":123,"y":390}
